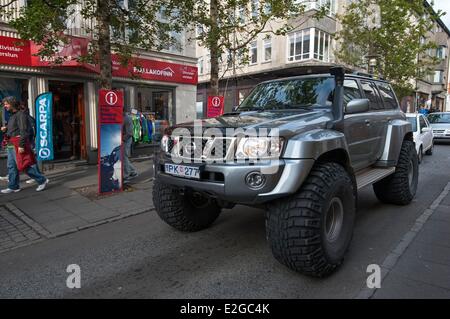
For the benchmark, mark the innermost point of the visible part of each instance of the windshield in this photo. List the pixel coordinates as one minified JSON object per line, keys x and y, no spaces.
{"x":413,"y":122}
{"x":291,"y":95}
{"x":436,"y":118}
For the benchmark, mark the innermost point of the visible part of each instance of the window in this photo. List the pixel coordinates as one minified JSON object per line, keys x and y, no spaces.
{"x":229,"y":59}
{"x":255,"y":8}
{"x":268,"y":49}
{"x":299,"y":45}
{"x":254,"y":52}
{"x":322,"y":44}
{"x":388,"y":96}
{"x":440,"y":52}
{"x":200,"y":66}
{"x":241,"y":14}
{"x":438,"y":77}
{"x":351,"y":91}
{"x":318,"y":4}
{"x":413,"y":122}
{"x":422,"y":122}
{"x":372,"y":95}
{"x":291,"y":94}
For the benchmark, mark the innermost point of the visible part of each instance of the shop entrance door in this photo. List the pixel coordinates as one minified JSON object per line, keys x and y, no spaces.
{"x":69,"y":132}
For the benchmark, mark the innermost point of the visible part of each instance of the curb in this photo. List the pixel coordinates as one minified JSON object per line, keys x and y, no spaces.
{"x":391,"y":260}
{"x":45,"y":234}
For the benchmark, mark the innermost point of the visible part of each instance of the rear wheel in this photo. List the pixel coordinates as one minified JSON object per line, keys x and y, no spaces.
{"x":310,"y":231}
{"x":188,"y":212}
{"x":400,"y":187}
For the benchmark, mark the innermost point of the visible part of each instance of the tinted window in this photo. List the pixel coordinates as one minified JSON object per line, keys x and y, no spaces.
{"x":291,"y":94}
{"x":413,"y":122}
{"x":351,"y":91}
{"x":372,"y":94}
{"x":388,"y":96}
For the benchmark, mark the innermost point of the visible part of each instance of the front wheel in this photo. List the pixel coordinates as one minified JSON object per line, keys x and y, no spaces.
{"x":311,"y":231}
{"x":187,"y":212}
{"x":400,"y":187}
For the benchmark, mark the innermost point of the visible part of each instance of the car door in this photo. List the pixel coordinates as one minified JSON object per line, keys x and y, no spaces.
{"x":427,"y":136}
{"x":356,"y":128}
{"x":377,"y":120}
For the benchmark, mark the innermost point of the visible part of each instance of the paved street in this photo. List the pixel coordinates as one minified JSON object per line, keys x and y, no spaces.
{"x":142,"y":257}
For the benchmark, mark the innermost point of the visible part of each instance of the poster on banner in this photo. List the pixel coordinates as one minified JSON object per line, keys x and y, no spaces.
{"x":44,"y":127}
{"x":215,"y":106}
{"x":110,"y":149}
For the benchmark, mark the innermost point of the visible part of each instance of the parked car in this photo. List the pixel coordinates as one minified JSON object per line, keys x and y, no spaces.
{"x":336,"y":134}
{"x":423,"y":134}
{"x":440,"y":123}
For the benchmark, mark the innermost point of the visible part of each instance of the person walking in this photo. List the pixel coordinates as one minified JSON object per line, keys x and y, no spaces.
{"x":129,"y":171}
{"x":17,"y":132}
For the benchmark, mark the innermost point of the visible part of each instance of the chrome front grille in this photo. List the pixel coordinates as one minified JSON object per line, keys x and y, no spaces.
{"x":202,"y":148}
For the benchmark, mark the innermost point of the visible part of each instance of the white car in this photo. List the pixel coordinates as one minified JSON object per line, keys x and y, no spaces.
{"x":423,"y":134}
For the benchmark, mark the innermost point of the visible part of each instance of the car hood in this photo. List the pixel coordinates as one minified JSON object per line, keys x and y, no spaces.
{"x":288,"y":122}
{"x":441,"y":126}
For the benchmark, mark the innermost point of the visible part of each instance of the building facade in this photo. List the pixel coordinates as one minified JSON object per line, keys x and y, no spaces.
{"x":163,"y":87}
{"x":310,"y":48}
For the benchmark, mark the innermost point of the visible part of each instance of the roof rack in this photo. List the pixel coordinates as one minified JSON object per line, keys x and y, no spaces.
{"x":367,"y":75}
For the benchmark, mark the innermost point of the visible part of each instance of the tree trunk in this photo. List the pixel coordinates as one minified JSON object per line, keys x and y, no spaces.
{"x":104,"y":44}
{"x":213,"y":48}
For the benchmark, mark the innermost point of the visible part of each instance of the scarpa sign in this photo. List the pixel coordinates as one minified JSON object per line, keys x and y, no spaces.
{"x":44,"y":127}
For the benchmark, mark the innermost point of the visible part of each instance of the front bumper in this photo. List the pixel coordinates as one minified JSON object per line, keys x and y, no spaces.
{"x":283,"y":177}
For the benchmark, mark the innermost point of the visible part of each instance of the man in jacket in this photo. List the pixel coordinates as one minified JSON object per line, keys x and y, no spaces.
{"x":18,"y":127}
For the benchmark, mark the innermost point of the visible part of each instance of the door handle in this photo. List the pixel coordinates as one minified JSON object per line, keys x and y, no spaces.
{"x":367,"y":122}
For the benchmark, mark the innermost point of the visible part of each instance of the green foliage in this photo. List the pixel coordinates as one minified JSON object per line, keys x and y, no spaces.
{"x":227,"y":27}
{"x":141,"y":25}
{"x":390,"y":30}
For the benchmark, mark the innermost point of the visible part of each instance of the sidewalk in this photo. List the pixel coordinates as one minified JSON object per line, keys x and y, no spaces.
{"x":69,"y":204}
{"x":419,"y":267}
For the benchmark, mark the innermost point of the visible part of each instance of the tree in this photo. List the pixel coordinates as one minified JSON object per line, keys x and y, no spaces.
{"x":392,"y":32}
{"x":229,"y":26}
{"x":121,"y":26}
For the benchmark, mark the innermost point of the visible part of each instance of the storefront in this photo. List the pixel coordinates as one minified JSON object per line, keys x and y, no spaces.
{"x":160,"y":87}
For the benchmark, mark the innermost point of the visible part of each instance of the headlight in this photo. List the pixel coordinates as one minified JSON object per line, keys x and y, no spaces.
{"x":259,"y":148}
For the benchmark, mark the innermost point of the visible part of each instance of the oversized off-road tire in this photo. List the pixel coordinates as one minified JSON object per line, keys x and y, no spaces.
{"x":430,"y":150}
{"x":311,"y":230}
{"x":400,"y":187}
{"x":188,"y":212}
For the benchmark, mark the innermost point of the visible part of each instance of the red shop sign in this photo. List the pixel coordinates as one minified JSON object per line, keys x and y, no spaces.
{"x":68,"y":52}
{"x":14,"y":51}
{"x":156,"y":71}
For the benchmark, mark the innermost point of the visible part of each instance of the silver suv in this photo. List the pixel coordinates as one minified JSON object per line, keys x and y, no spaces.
{"x":319,"y":139}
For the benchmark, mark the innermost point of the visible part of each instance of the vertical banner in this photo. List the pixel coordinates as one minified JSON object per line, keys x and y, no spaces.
{"x":215,"y":106}
{"x":110,"y":149}
{"x":44,"y":127}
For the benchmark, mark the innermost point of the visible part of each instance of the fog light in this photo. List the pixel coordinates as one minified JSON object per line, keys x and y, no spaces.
{"x":255,"y":180}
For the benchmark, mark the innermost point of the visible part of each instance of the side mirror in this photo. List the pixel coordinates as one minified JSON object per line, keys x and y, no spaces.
{"x":426,"y":129}
{"x":357,"y":106}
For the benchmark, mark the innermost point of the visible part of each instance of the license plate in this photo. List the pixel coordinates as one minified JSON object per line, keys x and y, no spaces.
{"x":182,"y":171}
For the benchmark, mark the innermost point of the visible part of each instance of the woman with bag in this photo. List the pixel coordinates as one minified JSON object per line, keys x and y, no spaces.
{"x":20,"y":155}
